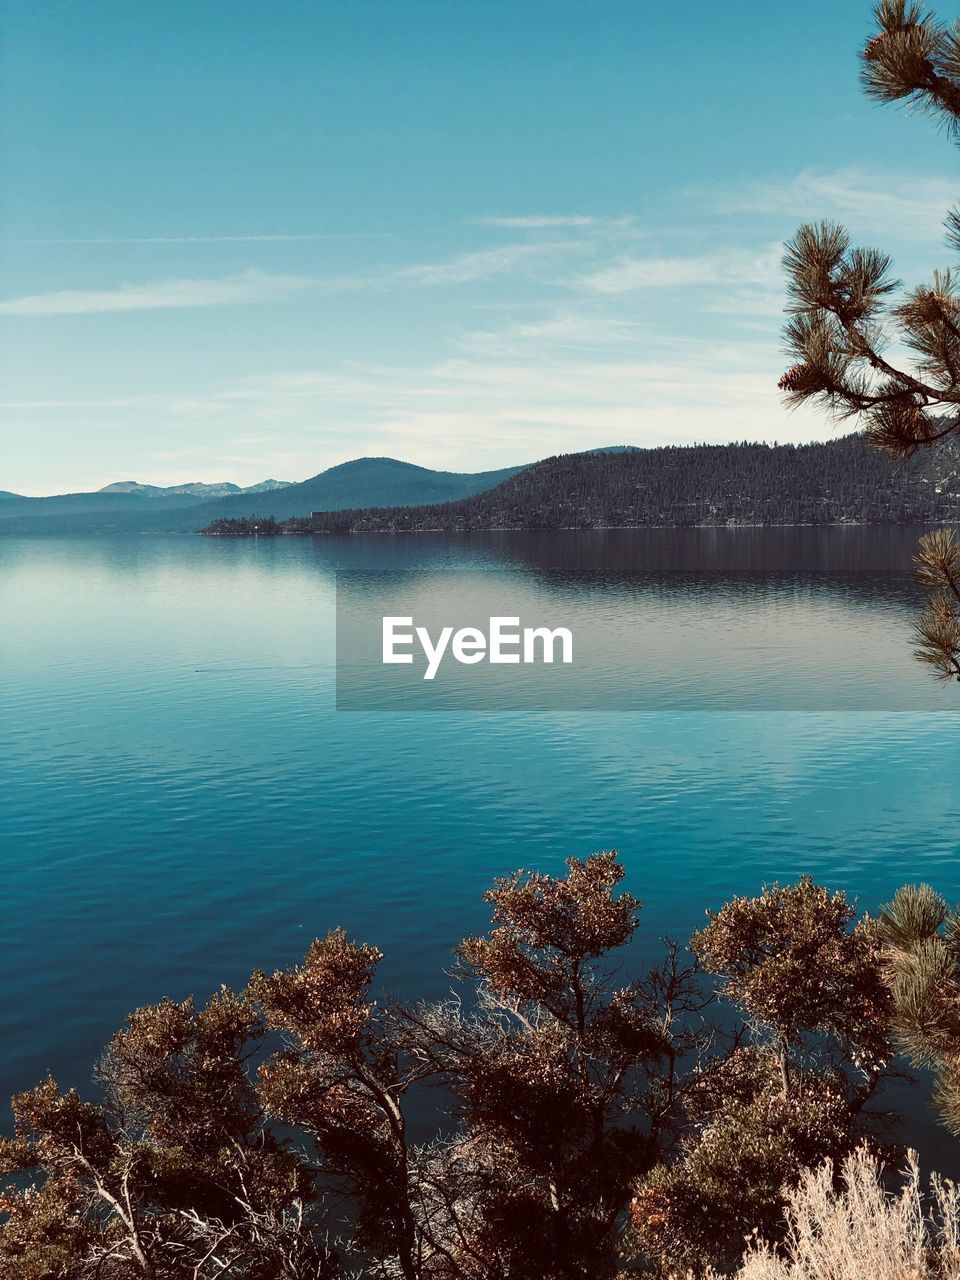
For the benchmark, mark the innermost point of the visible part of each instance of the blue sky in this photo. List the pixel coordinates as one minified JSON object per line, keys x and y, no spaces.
{"x":242,"y":240}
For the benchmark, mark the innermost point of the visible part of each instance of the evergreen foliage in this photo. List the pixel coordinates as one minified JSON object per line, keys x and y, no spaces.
{"x":244,"y":527}
{"x":844,"y":315}
{"x":922,"y":936}
{"x":809,"y":981}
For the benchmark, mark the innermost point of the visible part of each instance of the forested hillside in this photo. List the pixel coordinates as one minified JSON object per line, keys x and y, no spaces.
{"x":837,"y":482}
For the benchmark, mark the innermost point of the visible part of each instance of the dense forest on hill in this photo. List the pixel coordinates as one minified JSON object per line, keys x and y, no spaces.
{"x":838,"y":482}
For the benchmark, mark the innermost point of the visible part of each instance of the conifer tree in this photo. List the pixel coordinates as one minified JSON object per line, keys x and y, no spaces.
{"x":268,"y":1135}
{"x":808,"y":979}
{"x":846,"y":310}
{"x":797,"y":966}
{"x":922,"y":933}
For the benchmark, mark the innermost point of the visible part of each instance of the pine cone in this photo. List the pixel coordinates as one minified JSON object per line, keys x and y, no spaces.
{"x":795,"y":379}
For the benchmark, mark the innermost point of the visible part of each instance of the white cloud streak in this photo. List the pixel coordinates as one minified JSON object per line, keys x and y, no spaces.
{"x":481,"y":264}
{"x":258,"y":286}
{"x":268,"y":238}
{"x":732,"y":267}
{"x":251,"y":286}
{"x":534,"y":393}
{"x":914,"y":207}
{"x":538,"y":221}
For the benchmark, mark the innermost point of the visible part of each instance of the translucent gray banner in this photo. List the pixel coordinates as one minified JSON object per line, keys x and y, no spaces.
{"x":512,"y":640}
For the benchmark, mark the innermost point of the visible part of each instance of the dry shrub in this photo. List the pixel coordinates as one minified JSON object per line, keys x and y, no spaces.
{"x":863,"y":1231}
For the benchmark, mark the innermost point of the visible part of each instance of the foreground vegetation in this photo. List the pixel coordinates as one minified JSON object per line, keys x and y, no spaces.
{"x":590,"y":1125}
{"x":846,"y":1225}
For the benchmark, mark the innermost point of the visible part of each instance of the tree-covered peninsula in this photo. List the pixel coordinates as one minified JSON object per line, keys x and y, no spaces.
{"x":836,"y":482}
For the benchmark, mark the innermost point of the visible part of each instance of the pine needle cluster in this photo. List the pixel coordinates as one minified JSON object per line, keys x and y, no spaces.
{"x":937,"y":628}
{"x":843,"y":319}
{"x":921,"y":933}
{"x":848,"y":316}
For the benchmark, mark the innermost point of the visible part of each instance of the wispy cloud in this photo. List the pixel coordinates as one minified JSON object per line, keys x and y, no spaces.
{"x":916,"y":205}
{"x":481,"y":264}
{"x":732,"y":267}
{"x":469,"y":412}
{"x":534,"y":396}
{"x":536,"y":221}
{"x":258,"y":286}
{"x":557,"y":331}
{"x":266,"y":238}
{"x":570,"y":328}
{"x":250,"y":286}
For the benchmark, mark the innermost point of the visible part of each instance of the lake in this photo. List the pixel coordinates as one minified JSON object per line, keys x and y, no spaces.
{"x":182,"y":802}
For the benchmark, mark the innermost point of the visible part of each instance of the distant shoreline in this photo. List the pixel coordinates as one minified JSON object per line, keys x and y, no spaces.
{"x":606,"y":528}
{"x":828,"y":484}
{"x":841,"y":484}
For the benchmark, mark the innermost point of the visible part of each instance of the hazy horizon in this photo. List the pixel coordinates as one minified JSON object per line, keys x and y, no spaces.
{"x":214,"y":479}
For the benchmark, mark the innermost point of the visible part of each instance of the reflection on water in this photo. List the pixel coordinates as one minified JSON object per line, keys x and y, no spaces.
{"x":648,"y":640}
{"x":181,"y":802}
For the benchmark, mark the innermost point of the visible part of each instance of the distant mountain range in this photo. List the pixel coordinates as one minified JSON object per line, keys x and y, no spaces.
{"x":195,"y":488}
{"x":131,"y":507}
{"x":837,"y":482}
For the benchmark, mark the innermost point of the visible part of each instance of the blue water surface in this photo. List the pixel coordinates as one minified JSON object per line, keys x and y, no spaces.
{"x":180,"y":802}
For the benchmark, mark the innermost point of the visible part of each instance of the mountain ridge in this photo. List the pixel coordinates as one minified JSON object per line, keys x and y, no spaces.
{"x":833,"y":482}
{"x":194,"y":488}
{"x":360,"y":481}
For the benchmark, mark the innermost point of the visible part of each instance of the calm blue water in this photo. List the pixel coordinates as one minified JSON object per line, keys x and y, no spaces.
{"x":181,"y":803}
